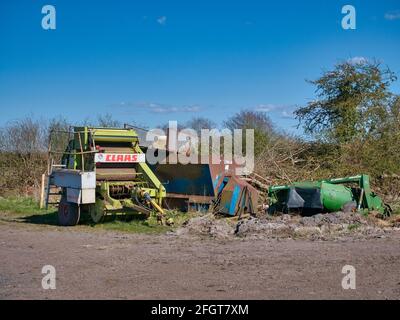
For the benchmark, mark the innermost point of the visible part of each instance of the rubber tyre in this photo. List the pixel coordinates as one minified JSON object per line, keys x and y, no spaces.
{"x":68,"y":213}
{"x":97,"y":212}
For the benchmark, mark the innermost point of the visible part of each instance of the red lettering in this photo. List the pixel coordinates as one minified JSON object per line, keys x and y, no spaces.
{"x":113,"y":157}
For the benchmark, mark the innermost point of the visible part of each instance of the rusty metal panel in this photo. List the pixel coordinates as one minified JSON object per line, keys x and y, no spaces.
{"x":186,"y":203}
{"x":116,"y":174}
{"x":192,"y":185}
{"x":235,"y":196}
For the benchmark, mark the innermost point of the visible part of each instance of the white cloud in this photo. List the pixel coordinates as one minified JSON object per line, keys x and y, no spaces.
{"x":287,"y":114}
{"x":266,"y":107}
{"x":393,"y":15}
{"x":357,"y":60}
{"x":162,"y":20}
{"x":172,"y":109}
{"x":160,"y":108}
{"x":283,"y":111}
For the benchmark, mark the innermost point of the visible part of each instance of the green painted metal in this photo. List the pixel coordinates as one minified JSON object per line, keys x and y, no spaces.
{"x":151,"y":177}
{"x":370,"y":200}
{"x":335,"y":193}
{"x":80,"y":156}
{"x":335,"y":196}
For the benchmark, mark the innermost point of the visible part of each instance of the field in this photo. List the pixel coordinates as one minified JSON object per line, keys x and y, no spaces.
{"x":120,"y":260}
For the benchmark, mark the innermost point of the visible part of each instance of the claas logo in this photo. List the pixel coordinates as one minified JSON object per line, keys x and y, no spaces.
{"x":113,"y":157}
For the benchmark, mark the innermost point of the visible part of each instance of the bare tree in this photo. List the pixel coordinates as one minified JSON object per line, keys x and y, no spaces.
{"x":23,"y":155}
{"x":198,"y":123}
{"x":107,"y":121}
{"x":259,"y":122}
{"x":249,"y":119}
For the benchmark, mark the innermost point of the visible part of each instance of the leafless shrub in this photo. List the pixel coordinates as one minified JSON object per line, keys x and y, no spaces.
{"x":22,"y":156}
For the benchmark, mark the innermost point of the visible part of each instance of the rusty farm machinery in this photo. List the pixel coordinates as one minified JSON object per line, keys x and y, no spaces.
{"x":103,"y":172}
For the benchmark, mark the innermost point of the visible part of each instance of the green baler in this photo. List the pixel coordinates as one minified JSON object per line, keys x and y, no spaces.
{"x":103,"y":172}
{"x":329,"y":195}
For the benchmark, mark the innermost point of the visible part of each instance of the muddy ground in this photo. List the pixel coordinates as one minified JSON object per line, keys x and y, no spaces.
{"x":203,"y":260}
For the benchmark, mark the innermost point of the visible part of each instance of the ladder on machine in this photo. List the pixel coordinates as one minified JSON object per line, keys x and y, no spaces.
{"x":50,"y":189}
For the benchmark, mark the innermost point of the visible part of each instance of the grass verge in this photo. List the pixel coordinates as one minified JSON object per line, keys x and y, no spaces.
{"x":21,"y":205}
{"x":26,"y":210}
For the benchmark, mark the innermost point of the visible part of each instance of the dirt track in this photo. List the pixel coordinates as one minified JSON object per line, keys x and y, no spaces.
{"x":100,"y":264}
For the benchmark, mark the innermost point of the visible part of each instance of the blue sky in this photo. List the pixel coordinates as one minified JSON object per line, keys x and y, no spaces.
{"x":152,"y":61}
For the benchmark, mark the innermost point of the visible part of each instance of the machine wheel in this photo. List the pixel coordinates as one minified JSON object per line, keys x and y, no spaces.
{"x":97,"y":211}
{"x":68,"y":213}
